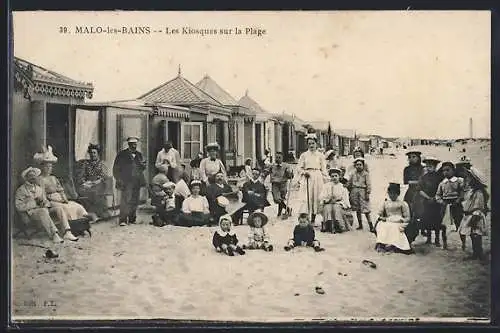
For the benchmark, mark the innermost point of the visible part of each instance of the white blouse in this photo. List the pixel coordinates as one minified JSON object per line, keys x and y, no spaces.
{"x":192,"y":204}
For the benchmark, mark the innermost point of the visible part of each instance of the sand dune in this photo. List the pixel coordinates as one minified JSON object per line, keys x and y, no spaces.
{"x":141,"y":271}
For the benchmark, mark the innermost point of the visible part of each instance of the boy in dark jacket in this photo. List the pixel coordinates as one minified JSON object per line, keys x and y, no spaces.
{"x":303,"y":235}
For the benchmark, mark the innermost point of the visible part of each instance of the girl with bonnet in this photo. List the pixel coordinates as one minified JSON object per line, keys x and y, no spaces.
{"x":225,"y":240}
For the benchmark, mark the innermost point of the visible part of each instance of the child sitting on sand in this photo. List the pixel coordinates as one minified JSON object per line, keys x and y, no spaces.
{"x":334,"y":203}
{"x":224,"y":240}
{"x":258,"y":238}
{"x":165,"y":207}
{"x":394,"y":217}
{"x":303,"y":235}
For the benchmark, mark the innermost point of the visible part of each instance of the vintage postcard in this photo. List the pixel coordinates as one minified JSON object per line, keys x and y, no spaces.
{"x":251,"y":166}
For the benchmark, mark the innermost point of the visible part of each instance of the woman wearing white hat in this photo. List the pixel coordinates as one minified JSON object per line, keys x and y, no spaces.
{"x":53,"y":189}
{"x":30,"y":201}
{"x":312,"y":170}
{"x":211,"y":165}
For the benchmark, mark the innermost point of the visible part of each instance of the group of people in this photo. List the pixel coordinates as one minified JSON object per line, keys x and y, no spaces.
{"x":453,"y":197}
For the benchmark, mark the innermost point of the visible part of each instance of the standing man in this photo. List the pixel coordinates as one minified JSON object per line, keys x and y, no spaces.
{"x":280,"y":174}
{"x":170,"y":155}
{"x":128,"y":170}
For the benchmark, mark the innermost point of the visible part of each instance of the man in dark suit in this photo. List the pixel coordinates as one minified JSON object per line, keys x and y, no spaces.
{"x":255,"y":193}
{"x":128,"y":170}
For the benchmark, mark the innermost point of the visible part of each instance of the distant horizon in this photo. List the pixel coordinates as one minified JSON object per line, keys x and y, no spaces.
{"x":351,"y":68}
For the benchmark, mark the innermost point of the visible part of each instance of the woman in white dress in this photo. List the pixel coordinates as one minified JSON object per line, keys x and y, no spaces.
{"x":53,"y":189}
{"x":312,"y":173}
{"x":394,"y":217}
{"x":335,"y":203}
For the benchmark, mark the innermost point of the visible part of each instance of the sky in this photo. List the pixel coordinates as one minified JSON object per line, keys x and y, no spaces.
{"x":396,"y":74}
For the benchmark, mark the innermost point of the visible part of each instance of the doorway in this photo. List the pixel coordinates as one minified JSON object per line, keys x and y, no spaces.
{"x":219,"y":138}
{"x":58,"y":137}
{"x":173,"y":133}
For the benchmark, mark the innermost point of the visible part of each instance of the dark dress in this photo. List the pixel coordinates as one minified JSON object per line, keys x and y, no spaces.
{"x":229,"y":239}
{"x":304,"y":234}
{"x":412,"y":172}
{"x":254,"y":202}
{"x":429,"y":211}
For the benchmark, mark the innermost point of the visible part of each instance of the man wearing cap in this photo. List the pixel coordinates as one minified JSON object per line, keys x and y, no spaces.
{"x":128,"y":170}
{"x":31,"y":203}
{"x":170,"y":158}
{"x":211,"y":165}
{"x":280,"y":174}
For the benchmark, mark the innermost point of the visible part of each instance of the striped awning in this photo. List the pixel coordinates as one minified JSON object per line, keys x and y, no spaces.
{"x":171,"y":113}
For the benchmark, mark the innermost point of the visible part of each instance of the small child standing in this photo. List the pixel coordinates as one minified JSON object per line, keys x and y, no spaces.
{"x":475,"y":207}
{"x":359,"y":186}
{"x":449,"y":195}
{"x":303,"y":235}
{"x":224,"y":240}
{"x":258,"y":238}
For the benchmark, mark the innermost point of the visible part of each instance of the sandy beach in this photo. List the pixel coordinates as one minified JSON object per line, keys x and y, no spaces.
{"x":141,"y":271}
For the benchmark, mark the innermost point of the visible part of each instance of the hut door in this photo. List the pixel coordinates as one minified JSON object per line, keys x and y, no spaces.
{"x":58,"y":137}
{"x":173,"y":133}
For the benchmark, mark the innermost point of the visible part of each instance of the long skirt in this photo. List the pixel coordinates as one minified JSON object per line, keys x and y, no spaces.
{"x":430,"y":213}
{"x":409,"y":197}
{"x":193,"y":220}
{"x":315,"y":181}
{"x":334,"y":212}
{"x":72,"y":209}
{"x":388,"y":233}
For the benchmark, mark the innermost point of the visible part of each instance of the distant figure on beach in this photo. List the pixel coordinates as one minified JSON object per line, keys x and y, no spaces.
{"x":394,"y":217}
{"x":258,"y":237}
{"x":224,"y":239}
{"x":303,"y":235}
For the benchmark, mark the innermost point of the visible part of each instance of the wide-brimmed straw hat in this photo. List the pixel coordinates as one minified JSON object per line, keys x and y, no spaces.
{"x":478,"y":176}
{"x":431,"y":159}
{"x":414,"y":152}
{"x":169,"y":185}
{"x":329,"y":153}
{"x":359,"y":159}
{"x":222,"y":201}
{"x":25,"y":173}
{"x":250,"y":219}
{"x":212,"y":146}
{"x":46,"y":156}
{"x":132,"y":139}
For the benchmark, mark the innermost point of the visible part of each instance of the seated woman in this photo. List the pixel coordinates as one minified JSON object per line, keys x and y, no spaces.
{"x":31,"y":202}
{"x":195,"y":211}
{"x":255,"y":193}
{"x":92,"y":180}
{"x":219,"y":189}
{"x":54,"y":190}
{"x":334,"y":204}
{"x":394,"y":217}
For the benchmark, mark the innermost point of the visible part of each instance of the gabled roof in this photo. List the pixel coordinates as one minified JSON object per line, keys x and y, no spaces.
{"x":208,"y":85}
{"x":160,"y":109}
{"x":348,"y":133}
{"x":179,"y":91}
{"x":251,"y":104}
{"x":47,"y":82}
